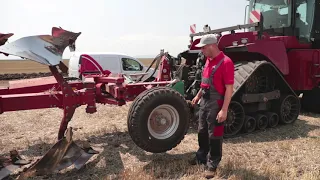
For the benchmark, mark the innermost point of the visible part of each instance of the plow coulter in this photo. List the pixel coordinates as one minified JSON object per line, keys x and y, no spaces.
{"x":157,"y":121}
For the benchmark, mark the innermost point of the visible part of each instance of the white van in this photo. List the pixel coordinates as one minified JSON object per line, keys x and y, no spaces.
{"x":83,"y":63}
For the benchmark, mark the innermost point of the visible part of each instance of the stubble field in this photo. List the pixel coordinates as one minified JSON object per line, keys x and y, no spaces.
{"x":285,"y":152}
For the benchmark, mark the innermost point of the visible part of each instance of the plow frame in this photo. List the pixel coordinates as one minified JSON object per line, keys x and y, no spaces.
{"x":58,"y":92}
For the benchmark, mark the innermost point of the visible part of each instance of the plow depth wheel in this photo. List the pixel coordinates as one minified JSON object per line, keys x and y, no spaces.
{"x":158,"y":119}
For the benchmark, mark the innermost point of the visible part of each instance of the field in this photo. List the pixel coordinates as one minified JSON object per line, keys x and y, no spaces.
{"x":22,"y":69}
{"x":285,"y":152}
{"x":22,"y":66}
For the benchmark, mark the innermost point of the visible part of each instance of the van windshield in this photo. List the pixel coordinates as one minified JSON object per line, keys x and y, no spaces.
{"x":131,"y":65}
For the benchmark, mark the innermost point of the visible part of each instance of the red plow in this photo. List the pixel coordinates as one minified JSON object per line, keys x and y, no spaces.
{"x":150,"y":101}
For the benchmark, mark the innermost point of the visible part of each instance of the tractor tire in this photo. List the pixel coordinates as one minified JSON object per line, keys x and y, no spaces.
{"x":158,"y":107}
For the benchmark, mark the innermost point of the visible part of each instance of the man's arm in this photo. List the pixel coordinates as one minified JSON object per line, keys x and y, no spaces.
{"x":228,"y":79}
{"x":227,"y":97}
{"x":199,"y":93}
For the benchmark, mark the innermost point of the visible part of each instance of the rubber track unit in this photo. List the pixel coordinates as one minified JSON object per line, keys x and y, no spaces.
{"x":135,"y":129}
{"x":243,"y":70}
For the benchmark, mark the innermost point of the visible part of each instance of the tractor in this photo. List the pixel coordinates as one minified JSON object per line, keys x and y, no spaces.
{"x":275,"y":60}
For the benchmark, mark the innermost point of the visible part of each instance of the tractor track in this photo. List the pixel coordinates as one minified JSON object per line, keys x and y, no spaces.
{"x":243,"y":71}
{"x":239,"y":125}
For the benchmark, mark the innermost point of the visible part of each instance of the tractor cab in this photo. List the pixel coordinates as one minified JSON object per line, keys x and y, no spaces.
{"x":287,"y":18}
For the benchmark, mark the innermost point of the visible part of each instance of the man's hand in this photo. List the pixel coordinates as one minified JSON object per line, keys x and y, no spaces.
{"x":195,"y":100}
{"x":222,"y":116}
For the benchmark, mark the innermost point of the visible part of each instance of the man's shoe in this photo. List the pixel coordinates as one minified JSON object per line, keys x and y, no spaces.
{"x":210,"y":173}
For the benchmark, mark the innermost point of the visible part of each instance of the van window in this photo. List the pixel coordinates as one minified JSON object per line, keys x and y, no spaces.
{"x":131,"y":65}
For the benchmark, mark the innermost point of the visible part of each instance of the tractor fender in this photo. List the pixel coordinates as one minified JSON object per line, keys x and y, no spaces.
{"x":275,"y":51}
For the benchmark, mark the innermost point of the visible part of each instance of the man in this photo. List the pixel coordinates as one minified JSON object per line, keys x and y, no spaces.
{"x":215,"y":94}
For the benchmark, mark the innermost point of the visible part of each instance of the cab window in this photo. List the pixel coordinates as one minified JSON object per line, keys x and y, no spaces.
{"x":304,"y":18}
{"x":276,"y":12}
{"x":131,"y":65}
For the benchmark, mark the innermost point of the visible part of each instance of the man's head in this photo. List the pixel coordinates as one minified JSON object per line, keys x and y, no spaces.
{"x":208,"y":45}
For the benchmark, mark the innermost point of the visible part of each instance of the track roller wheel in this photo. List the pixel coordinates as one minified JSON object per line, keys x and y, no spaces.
{"x":249,"y":124}
{"x":262,"y":121}
{"x":273,"y":119}
{"x":235,"y":119}
{"x":158,"y":119}
{"x":288,"y":109}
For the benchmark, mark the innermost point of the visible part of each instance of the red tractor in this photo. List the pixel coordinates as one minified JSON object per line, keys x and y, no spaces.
{"x":276,"y":58}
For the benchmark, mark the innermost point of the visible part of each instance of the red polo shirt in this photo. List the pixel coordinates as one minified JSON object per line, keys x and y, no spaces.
{"x":224,"y":74}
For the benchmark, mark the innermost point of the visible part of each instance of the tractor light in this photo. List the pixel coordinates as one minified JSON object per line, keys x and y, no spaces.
{"x":235,"y":43}
{"x":244,"y":40}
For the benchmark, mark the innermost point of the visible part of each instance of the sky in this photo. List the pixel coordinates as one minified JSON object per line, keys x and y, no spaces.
{"x":135,"y":27}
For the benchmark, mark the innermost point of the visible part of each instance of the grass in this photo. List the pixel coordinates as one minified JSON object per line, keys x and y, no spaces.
{"x":286,"y":152}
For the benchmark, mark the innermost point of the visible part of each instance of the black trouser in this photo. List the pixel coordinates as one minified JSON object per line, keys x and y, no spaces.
{"x":210,"y":135}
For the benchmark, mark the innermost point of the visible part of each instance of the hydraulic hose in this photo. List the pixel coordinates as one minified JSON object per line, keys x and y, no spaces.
{"x":158,"y":58}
